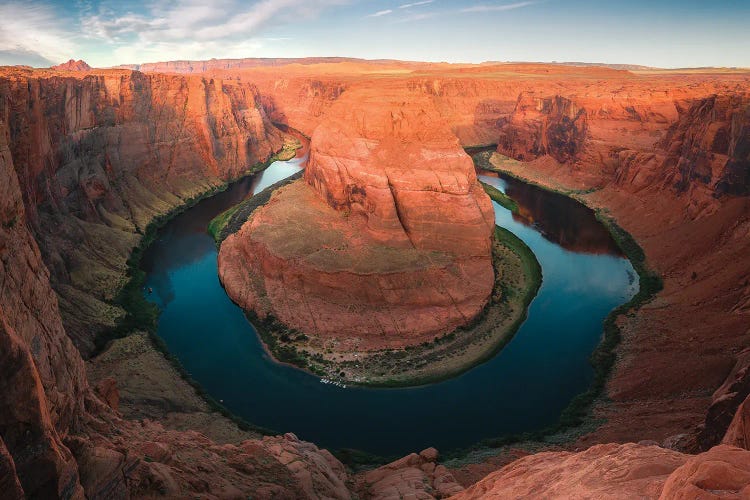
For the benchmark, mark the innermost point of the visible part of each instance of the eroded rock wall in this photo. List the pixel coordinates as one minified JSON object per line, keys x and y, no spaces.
{"x":386,"y":242}
{"x":99,"y":155}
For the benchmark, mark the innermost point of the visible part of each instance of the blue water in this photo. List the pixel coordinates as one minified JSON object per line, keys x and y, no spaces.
{"x":523,"y":388}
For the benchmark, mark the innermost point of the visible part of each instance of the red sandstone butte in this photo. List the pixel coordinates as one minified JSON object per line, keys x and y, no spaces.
{"x":72,"y":65}
{"x":387,"y":239}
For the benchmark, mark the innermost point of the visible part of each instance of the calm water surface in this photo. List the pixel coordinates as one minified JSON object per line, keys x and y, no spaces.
{"x":525,"y":387}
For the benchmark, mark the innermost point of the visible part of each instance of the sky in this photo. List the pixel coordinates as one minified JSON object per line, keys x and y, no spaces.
{"x":662,"y":33}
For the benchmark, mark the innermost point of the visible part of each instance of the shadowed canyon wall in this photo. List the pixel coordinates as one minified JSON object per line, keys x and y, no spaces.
{"x":98,"y":156}
{"x":141,"y":142}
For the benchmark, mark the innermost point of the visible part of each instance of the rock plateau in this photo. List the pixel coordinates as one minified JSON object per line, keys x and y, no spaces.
{"x":385,"y":243}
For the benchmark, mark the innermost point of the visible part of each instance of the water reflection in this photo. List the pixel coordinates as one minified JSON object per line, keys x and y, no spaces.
{"x":560,"y":219}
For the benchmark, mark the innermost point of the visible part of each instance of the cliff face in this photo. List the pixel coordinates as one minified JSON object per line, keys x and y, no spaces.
{"x":58,"y":439}
{"x":386,"y":243}
{"x":99,"y":156}
{"x":540,"y":126}
{"x":42,"y":379}
{"x":710,"y":144}
{"x":684,"y":142}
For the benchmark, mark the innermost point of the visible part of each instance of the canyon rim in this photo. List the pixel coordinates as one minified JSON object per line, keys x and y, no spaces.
{"x":365,"y":233}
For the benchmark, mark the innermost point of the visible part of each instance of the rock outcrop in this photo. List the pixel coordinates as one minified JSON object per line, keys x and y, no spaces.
{"x":726,"y":400}
{"x":385,"y":243}
{"x":738,"y":431}
{"x":616,"y":471}
{"x":99,"y":156}
{"x":417,"y":476}
{"x":72,"y":65}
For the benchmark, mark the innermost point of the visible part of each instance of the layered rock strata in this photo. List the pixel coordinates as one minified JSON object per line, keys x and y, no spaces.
{"x":387,"y":239}
{"x":667,"y":155}
{"x":100,"y":154}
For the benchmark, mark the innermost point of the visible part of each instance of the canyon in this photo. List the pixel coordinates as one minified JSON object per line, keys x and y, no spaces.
{"x":91,"y":160}
{"x":386,"y":242}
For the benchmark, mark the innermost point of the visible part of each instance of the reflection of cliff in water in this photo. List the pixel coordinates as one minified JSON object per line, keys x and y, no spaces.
{"x":560,"y":219}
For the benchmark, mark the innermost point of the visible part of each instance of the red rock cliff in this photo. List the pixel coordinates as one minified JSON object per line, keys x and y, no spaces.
{"x":59,"y":440}
{"x":389,"y":240}
{"x":42,"y":378}
{"x":99,"y":155}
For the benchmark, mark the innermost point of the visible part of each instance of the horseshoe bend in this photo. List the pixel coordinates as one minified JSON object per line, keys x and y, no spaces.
{"x":273,"y":277}
{"x":385,"y":243}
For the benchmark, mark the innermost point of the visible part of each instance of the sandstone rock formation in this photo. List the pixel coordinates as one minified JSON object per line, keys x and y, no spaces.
{"x":72,"y":65}
{"x":58,"y":439}
{"x":618,"y":472}
{"x":540,"y":126}
{"x":42,"y":378}
{"x":386,"y":243}
{"x":99,"y":155}
{"x":414,"y":476}
{"x":88,"y":159}
{"x":738,"y":431}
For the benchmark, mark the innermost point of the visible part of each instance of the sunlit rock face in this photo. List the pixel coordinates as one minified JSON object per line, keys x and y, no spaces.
{"x":387,"y":239}
{"x":99,"y":154}
{"x":620,"y":471}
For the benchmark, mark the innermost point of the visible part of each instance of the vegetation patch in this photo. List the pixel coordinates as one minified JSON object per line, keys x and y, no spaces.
{"x":231,"y":220}
{"x":500,"y":198}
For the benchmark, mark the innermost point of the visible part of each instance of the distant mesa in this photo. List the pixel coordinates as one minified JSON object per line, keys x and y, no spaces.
{"x":73,"y":65}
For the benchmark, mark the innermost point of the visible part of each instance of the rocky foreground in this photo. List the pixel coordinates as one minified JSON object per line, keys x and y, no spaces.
{"x":87,"y":160}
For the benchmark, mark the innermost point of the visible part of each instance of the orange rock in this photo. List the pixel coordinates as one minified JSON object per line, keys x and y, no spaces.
{"x":72,"y":65}
{"x":395,"y":247}
{"x":738,"y":433}
{"x":107,"y":389}
{"x":603,"y":471}
{"x":99,"y":155}
{"x":413,"y":476}
{"x":87,"y":158}
{"x":721,"y":472}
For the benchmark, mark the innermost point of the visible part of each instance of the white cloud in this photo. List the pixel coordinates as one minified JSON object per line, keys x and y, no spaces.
{"x":381,"y":13}
{"x":420,"y":17}
{"x":415,"y":4}
{"x":193,"y":29}
{"x":33,"y":32}
{"x":497,"y":8}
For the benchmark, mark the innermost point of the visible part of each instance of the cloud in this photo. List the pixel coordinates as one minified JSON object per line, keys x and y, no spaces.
{"x":171,"y":29}
{"x":420,"y":17}
{"x":415,"y":4}
{"x":497,"y":8}
{"x":381,"y":13}
{"x":33,"y":33}
{"x":199,"y":20}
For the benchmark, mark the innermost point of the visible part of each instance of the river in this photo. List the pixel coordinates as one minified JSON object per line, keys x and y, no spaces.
{"x":524,"y":387}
